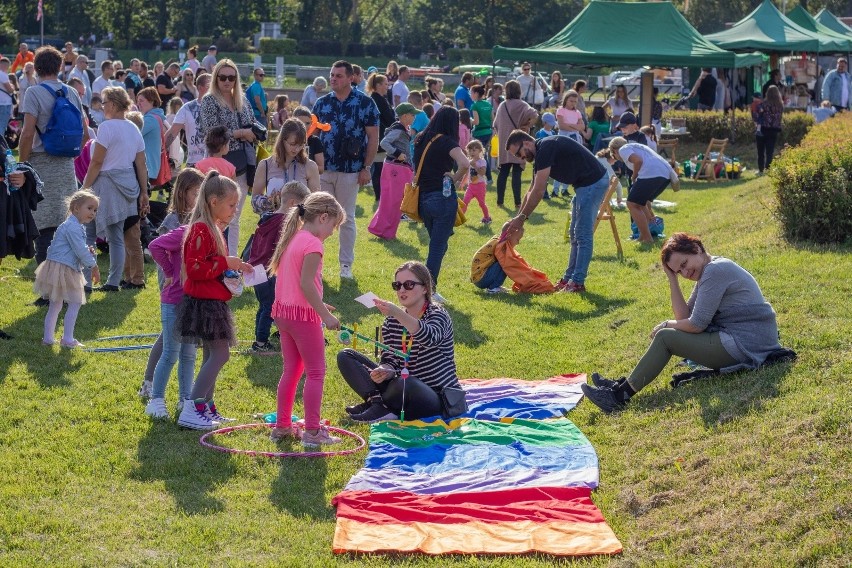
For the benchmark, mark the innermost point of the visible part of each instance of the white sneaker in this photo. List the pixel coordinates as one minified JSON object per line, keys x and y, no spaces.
{"x":194,"y":419}
{"x":179,"y":407}
{"x":406,"y":219}
{"x":146,"y":388}
{"x":214,"y":416}
{"x":156,"y":408}
{"x":346,"y":271}
{"x":438,"y":298}
{"x":497,"y":290}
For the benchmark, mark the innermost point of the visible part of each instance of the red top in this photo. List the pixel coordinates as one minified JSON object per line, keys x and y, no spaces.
{"x":204,"y":265}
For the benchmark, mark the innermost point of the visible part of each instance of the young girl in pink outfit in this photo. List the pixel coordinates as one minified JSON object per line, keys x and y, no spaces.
{"x":476,"y":187}
{"x":300,"y":313}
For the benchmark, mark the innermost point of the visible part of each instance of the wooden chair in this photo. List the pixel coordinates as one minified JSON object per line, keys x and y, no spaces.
{"x":605,"y":214}
{"x":666,"y":147}
{"x":707,"y":167}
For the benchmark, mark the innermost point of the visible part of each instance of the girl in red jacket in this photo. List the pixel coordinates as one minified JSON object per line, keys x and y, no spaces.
{"x":203,"y":314}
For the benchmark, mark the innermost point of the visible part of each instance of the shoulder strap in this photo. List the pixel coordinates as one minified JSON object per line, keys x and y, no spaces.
{"x":52,"y":92}
{"x":423,"y":159}
{"x":506,"y":106}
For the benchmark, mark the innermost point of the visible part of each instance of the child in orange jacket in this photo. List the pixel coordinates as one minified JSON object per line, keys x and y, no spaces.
{"x":497,"y":259}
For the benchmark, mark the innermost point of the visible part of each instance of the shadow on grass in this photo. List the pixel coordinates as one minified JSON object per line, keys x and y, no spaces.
{"x":601,"y":305}
{"x":51,"y":365}
{"x":723,"y":398}
{"x":398,"y":249}
{"x":464,"y":332}
{"x":300,"y":488}
{"x":189,"y":472}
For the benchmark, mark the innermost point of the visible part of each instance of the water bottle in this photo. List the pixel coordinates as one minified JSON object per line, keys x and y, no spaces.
{"x":11,"y":167}
{"x":448,"y":186}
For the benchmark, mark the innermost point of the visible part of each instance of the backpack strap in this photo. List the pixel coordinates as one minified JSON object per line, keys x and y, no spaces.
{"x":56,"y":94}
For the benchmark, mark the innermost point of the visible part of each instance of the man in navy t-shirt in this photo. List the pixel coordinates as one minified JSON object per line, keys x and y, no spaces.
{"x":569,"y":162}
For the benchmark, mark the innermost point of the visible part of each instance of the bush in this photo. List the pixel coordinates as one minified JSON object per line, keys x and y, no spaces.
{"x":703,"y":126}
{"x":469,"y":55}
{"x":203,"y":42}
{"x":813,"y":183}
{"x":284,"y":46}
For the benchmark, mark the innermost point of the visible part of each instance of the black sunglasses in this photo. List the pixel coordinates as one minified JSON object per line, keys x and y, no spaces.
{"x":230,"y":78}
{"x":408,"y":285}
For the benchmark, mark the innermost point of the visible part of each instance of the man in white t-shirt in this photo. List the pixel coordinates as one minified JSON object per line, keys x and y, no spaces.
{"x":106,"y":78}
{"x":186,"y":119}
{"x":651,"y":174}
{"x":81,"y":71}
{"x":400,"y":89}
{"x":6,"y":91}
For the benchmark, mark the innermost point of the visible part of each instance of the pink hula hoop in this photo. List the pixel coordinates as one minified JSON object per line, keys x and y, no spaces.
{"x":222,"y":431}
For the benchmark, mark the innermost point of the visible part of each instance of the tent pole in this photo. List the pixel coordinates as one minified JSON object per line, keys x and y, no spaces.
{"x":732,"y":88}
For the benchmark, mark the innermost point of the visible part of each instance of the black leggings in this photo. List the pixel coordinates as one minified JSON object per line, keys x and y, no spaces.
{"x":420,"y":400}
{"x":766,"y":147}
{"x":502,"y":175}
{"x":377,"y":179}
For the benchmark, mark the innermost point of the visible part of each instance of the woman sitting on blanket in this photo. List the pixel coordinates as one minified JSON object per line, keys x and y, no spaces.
{"x":424,"y":331}
{"x":726,"y":324}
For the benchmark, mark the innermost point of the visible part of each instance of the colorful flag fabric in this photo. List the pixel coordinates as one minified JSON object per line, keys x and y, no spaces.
{"x":490,"y":482}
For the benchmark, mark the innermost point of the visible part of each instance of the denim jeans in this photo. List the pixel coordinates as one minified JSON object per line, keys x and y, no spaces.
{"x":115,"y":238}
{"x":173,"y":350}
{"x":439,"y":216}
{"x":5,"y":116}
{"x":265,"y":294}
{"x":584,"y":210}
{"x":494,"y":277}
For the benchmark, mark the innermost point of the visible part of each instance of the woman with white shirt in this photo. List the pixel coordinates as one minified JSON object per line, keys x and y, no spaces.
{"x":651,"y":174}
{"x":617,"y":105}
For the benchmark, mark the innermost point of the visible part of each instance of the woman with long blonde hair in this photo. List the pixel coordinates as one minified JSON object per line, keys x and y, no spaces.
{"x":288,"y":162}
{"x":226,"y":105}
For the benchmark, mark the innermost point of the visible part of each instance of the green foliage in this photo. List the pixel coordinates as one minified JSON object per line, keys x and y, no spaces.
{"x":203,"y":42}
{"x":703,"y":126}
{"x":469,"y":55}
{"x":813,"y":183}
{"x":285,"y":46}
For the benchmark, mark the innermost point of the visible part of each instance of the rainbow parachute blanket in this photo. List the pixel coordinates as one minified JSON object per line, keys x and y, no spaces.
{"x":512,"y":476}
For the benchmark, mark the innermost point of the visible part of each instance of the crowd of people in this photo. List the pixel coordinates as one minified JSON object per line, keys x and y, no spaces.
{"x":369,"y":128}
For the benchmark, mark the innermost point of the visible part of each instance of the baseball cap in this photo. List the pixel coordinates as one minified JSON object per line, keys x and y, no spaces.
{"x":757,"y":95}
{"x":626,"y":118}
{"x":371,"y":69}
{"x":548,"y":119}
{"x":406,"y":108}
{"x":212,"y":48}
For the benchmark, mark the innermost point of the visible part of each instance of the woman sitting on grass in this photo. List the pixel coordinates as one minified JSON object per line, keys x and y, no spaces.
{"x":419,"y":327}
{"x":726,"y":324}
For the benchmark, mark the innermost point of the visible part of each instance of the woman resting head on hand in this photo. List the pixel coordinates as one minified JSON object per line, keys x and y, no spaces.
{"x":415,"y":325}
{"x":726,"y":324}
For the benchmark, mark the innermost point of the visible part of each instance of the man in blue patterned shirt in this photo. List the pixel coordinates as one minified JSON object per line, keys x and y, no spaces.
{"x":349,"y":147}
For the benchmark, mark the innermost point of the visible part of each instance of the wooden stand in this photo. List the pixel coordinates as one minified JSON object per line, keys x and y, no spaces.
{"x":605,"y":214}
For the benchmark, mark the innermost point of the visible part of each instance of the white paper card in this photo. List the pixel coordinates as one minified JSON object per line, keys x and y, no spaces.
{"x":258,"y":276}
{"x":367,"y":300}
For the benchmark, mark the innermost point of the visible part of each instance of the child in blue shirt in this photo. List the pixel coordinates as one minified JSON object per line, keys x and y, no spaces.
{"x":548,"y":128}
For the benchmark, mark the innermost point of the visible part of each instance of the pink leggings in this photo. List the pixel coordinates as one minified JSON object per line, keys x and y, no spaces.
{"x":477,"y":191}
{"x":303,"y":348}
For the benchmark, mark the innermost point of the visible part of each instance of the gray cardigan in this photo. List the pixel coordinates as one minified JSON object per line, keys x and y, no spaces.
{"x":397,"y":141}
{"x":727,"y":299}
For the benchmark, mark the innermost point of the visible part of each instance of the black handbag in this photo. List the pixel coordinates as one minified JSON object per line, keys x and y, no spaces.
{"x":239,"y":159}
{"x":453,"y":402}
{"x":259,"y":131}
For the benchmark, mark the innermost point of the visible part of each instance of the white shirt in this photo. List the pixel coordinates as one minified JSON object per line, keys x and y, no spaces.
{"x":100,"y":84}
{"x":844,"y":92}
{"x":653,"y":165}
{"x":5,"y":88}
{"x":400,"y":89}
{"x":187,"y":116}
{"x":122,"y":141}
{"x":83,"y":76}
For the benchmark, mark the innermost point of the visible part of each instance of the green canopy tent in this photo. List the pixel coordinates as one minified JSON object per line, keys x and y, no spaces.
{"x":766,"y":29}
{"x":830,"y":21}
{"x":667,"y":40}
{"x":802,"y":17}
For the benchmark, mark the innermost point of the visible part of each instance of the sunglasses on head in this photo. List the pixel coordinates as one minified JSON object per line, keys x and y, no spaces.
{"x":230,"y":78}
{"x":408,"y":285}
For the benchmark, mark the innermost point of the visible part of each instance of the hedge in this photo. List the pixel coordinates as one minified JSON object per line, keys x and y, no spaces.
{"x":203,"y":42}
{"x":813,"y":184}
{"x":703,"y":126}
{"x":283,"y":46}
{"x":470,"y":55}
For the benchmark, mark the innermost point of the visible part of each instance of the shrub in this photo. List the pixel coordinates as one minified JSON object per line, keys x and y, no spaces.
{"x":703,"y":126}
{"x":469,"y":55}
{"x":203,"y":42}
{"x":283,"y":46}
{"x":813,"y":183}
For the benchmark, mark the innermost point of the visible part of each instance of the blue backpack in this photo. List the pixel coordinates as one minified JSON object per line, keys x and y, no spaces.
{"x":63,"y":135}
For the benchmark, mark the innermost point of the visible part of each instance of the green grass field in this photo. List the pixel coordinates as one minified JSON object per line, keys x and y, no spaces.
{"x":752,"y":469}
